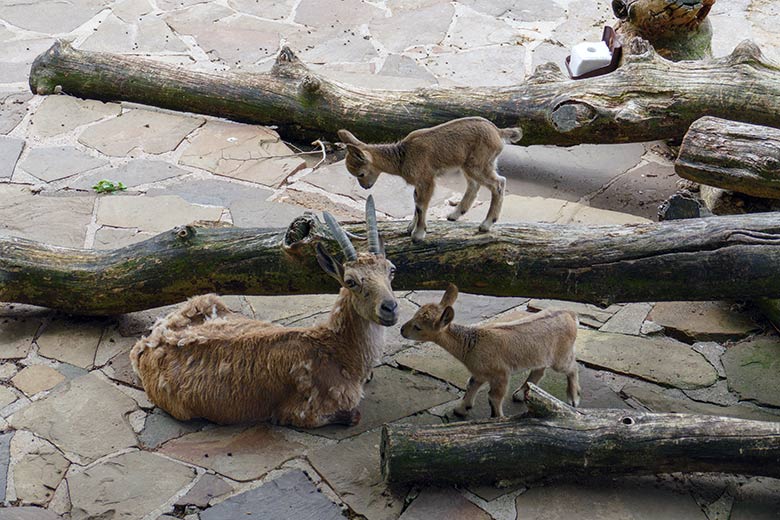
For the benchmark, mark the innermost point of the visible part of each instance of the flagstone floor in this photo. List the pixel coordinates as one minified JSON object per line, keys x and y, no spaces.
{"x":79,"y":437}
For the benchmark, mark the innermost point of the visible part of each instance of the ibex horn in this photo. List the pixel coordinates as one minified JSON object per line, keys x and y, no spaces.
{"x":375,"y":245}
{"x":340,"y":236}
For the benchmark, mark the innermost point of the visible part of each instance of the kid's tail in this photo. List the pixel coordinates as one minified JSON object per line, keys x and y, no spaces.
{"x":511,"y":135}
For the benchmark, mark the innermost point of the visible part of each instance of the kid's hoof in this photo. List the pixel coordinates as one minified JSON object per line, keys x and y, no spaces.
{"x":455,"y":215}
{"x":486,"y":225}
{"x":418,"y":236}
{"x":519,"y":396}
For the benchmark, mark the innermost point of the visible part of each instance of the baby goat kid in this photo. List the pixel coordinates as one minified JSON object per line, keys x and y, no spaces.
{"x":493,"y":352}
{"x":470,"y":144}
{"x":205,"y":361}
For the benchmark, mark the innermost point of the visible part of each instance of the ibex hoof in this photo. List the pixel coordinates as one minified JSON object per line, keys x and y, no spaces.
{"x":455,"y":215}
{"x":347,"y":417}
{"x":460,"y":412}
{"x":485,"y":226}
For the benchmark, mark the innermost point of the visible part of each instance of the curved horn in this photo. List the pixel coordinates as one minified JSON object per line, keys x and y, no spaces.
{"x":375,"y":245}
{"x":340,"y":236}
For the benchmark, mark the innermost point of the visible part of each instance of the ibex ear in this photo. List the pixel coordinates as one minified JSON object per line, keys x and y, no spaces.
{"x":450,"y":295}
{"x":347,"y":137}
{"x":358,"y":154}
{"x":446,"y":317}
{"x":329,"y":264}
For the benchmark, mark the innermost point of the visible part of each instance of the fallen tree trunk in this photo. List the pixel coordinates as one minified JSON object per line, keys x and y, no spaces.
{"x":735,"y":257}
{"x":647,"y":98}
{"x":557,"y":442}
{"x":733,"y":156}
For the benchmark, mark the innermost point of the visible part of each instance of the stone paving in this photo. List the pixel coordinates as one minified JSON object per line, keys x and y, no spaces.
{"x":79,"y":438}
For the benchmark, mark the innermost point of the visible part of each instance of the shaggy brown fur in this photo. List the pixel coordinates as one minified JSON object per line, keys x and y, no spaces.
{"x":469,"y":144}
{"x":493,"y":352}
{"x":203,"y":360}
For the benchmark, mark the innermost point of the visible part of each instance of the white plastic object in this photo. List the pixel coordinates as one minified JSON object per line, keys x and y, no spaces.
{"x":589,"y":56}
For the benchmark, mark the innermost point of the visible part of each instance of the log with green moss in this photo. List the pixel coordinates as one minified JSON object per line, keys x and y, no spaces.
{"x":733,"y":156}
{"x":555,"y":442}
{"x":734,"y":257}
{"x":647,"y":98}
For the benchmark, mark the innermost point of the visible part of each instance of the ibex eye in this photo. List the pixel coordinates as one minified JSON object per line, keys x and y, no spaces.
{"x":351,"y":283}
{"x":392,"y":271}
{"x":417,"y":328}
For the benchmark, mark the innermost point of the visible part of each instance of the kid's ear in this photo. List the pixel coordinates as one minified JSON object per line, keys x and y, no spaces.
{"x":347,"y":137}
{"x":450,"y":295}
{"x":358,"y":154}
{"x":446,"y":317}
{"x":329,"y":264}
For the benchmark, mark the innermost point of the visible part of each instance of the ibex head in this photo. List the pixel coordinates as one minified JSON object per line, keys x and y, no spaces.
{"x":431,"y":318}
{"x":368,"y":276}
{"x":359,"y":160}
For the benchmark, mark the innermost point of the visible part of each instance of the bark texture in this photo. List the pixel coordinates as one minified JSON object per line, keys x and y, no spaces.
{"x":557,"y":442}
{"x":734,"y":257}
{"x":647,"y":98}
{"x":733,"y":156}
{"x":678,"y":29}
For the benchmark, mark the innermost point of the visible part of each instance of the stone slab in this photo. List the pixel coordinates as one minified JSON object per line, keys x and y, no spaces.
{"x":606,"y":501}
{"x":752,"y":367}
{"x":7,"y":396}
{"x":587,"y":313}
{"x":659,"y":360}
{"x":13,"y":107}
{"x":152,"y":214}
{"x":28,"y":513}
{"x":233,"y":451}
{"x":351,"y":468}
{"x":470,"y":308}
{"x":37,"y":378}
{"x":314,"y":13}
{"x":628,"y":320}
{"x":141,"y":130}
{"x":443,"y":503}
{"x":38,"y":468}
{"x":127,"y":486}
{"x":161,"y":427}
{"x":16,"y":336}
{"x":247,"y":204}
{"x":535,"y":171}
{"x":205,"y":489}
{"x":115,"y":238}
{"x":216,"y":29}
{"x":10,"y":150}
{"x":132,"y":174}
{"x":702,"y":321}
{"x":55,"y":163}
{"x":84,"y":417}
{"x":507,"y":66}
{"x":411,"y":28}
{"x":391,"y":395}
{"x":71,"y":341}
{"x":291,"y":496}
{"x":50,"y":16}
{"x":5,"y":458}
{"x":61,"y":114}
{"x":289,"y":309}
{"x":245,"y":152}
{"x":112,"y":343}
{"x":271,"y":10}
{"x":55,"y":220}
{"x":120,"y":369}
{"x":657,"y":400}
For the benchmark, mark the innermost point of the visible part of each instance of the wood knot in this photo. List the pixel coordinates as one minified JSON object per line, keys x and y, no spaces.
{"x":286,"y":55}
{"x":311,"y":84}
{"x":571,"y":114}
{"x":184,"y":232}
{"x":301,"y":231}
{"x":745,"y":52}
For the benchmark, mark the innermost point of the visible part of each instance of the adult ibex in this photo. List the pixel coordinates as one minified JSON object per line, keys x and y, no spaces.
{"x":205,"y":361}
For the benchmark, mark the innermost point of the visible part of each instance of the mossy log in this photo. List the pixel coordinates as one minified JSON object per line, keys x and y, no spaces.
{"x":734,"y":257}
{"x":555,"y":442}
{"x":647,"y":98}
{"x":678,"y":29}
{"x":733,"y":156}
